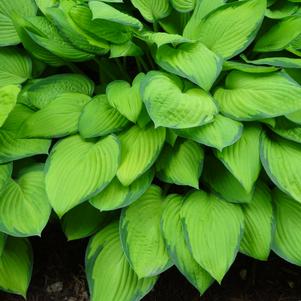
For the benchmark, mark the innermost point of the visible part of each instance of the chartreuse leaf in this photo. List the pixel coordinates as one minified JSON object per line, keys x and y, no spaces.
{"x":231,"y":28}
{"x":193,"y":61}
{"x":176,"y":245}
{"x":202,"y":9}
{"x":127,"y":49}
{"x":139,"y":150}
{"x":210,"y":222}
{"x":15,"y":66}
{"x":281,"y":9}
{"x":141,"y":236}
{"x":281,"y":160}
{"x":183,"y":6}
{"x":59,"y":118}
{"x":287,"y":238}
{"x":43,"y":5}
{"x":181,"y":164}
{"x":249,"y":96}
{"x":14,"y":148}
{"x":5,"y":173}
{"x":105,"y":260}
{"x":294,"y":117}
{"x":41,"y":92}
{"x":16,"y":266}
{"x":116,"y":196}
{"x":257,"y":237}
{"x":77,"y":169}
{"x":169,"y":106}
{"x":280,"y":35}
{"x":8,"y":99}
{"x":8,"y":34}
{"x":99,"y":118}
{"x":223,"y":183}
{"x":283,"y":62}
{"x":235,"y":65}
{"x":24,"y":206}
{"x":219,"y":134}
{"x":103,"y":11}
{"x":126,"y":98}
{"x":83,"y":221}
{"x":242,"y":158}
{"x":153,"y":10}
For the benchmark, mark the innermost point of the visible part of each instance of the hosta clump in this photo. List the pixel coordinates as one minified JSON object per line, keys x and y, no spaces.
{"x":169,"y":130}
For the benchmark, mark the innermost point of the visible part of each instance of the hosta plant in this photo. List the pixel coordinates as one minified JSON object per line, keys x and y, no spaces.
{"x":167,"y":130}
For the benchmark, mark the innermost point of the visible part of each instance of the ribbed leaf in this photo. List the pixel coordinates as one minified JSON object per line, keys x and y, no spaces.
{"x":153,"y":10}
{"x":281,"y":9}
{"x":24,"y":206}
{"x":231,"y":28}
{"x":8,"y":99}
{"x":249,"y":96}
{"x":181,"y":164}
{"x":282,"y":162}
{"x":176,"y":245}
{"x":126,"y":98}
{"x":193,"y":61}
{"x":105,"y":261}
{"x":283,"y":62}
{"x":280,"y":35}
{"x":183,"y":6}
{"x":16,"y":266}
{"x":235,"y":65}
{"x":99,"y":118}
{"x":141,"y":236}
{"x":43,"y":5}
{"x":5,"y":173}
{"x":223,"y":183}
{"x":287,"y":237}
{"x":242,"y":158}
{"x":219,"y":134}
{"x":15,"y":66}
{"x":83,"y":221}
{"x":257,"y":238}
{"x":41,"y":92}
{"x":116,"y":196}
{"x":127,"y":49}
{"x":139,"y":150}
{"x":168,"y":106}
{"x":57,"y":119}
{"x":210,"y":222}
{"x":77,"y":169}
{"x":14,"y":148}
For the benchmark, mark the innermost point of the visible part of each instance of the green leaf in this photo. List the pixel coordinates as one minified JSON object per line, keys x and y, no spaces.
{"x":41,"y":92}
{"x":294,"y":117}
{"x":249,"y":96}
{"x":141,"y":236}
{"x":223,"y":183}
{"x":139,"y":150}
{"x":3,"y":238}
{"x":181,"y":164}
{"x":45,"y":4}
{"x":15,"y":66}
{"x":5,"y":173}
{"x":176,"y":245}
{"x":183,"y":6}
{"x":57,"y":119}
{"x":210,"y":222}
{"x":257,"y":238}
{"x":287,"y":238}
{"x":14,"y":148}
{"x":77,"y":169}
{"x":281,"y":9}
{"x":8,"y":96}
{"x":8,"y":34}
{"x":169,"y":106}
{"x":231,"y":28}
{"x":153,"y":10}
{"x":24,"y":206}
{"x":116,"y":196}
{"x":127,"y":49}
{"x":16,"y":258}
{"x":280,"y":35}
{"x":283,"y":62}
{"x":235,"y":65}
{"x":126,"y":98}
{"x":242,"y":158}
{"x":83,"y":221}
{"x":281,"y":160}
{"x":105,"y":260}
{"x":103,"y":11}
{"x":193,"y":61}
{"x":99,"y":118}
{"x":219,"y":134}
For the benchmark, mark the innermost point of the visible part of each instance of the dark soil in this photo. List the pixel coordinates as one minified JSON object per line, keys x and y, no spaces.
{"x":59,"y":275}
